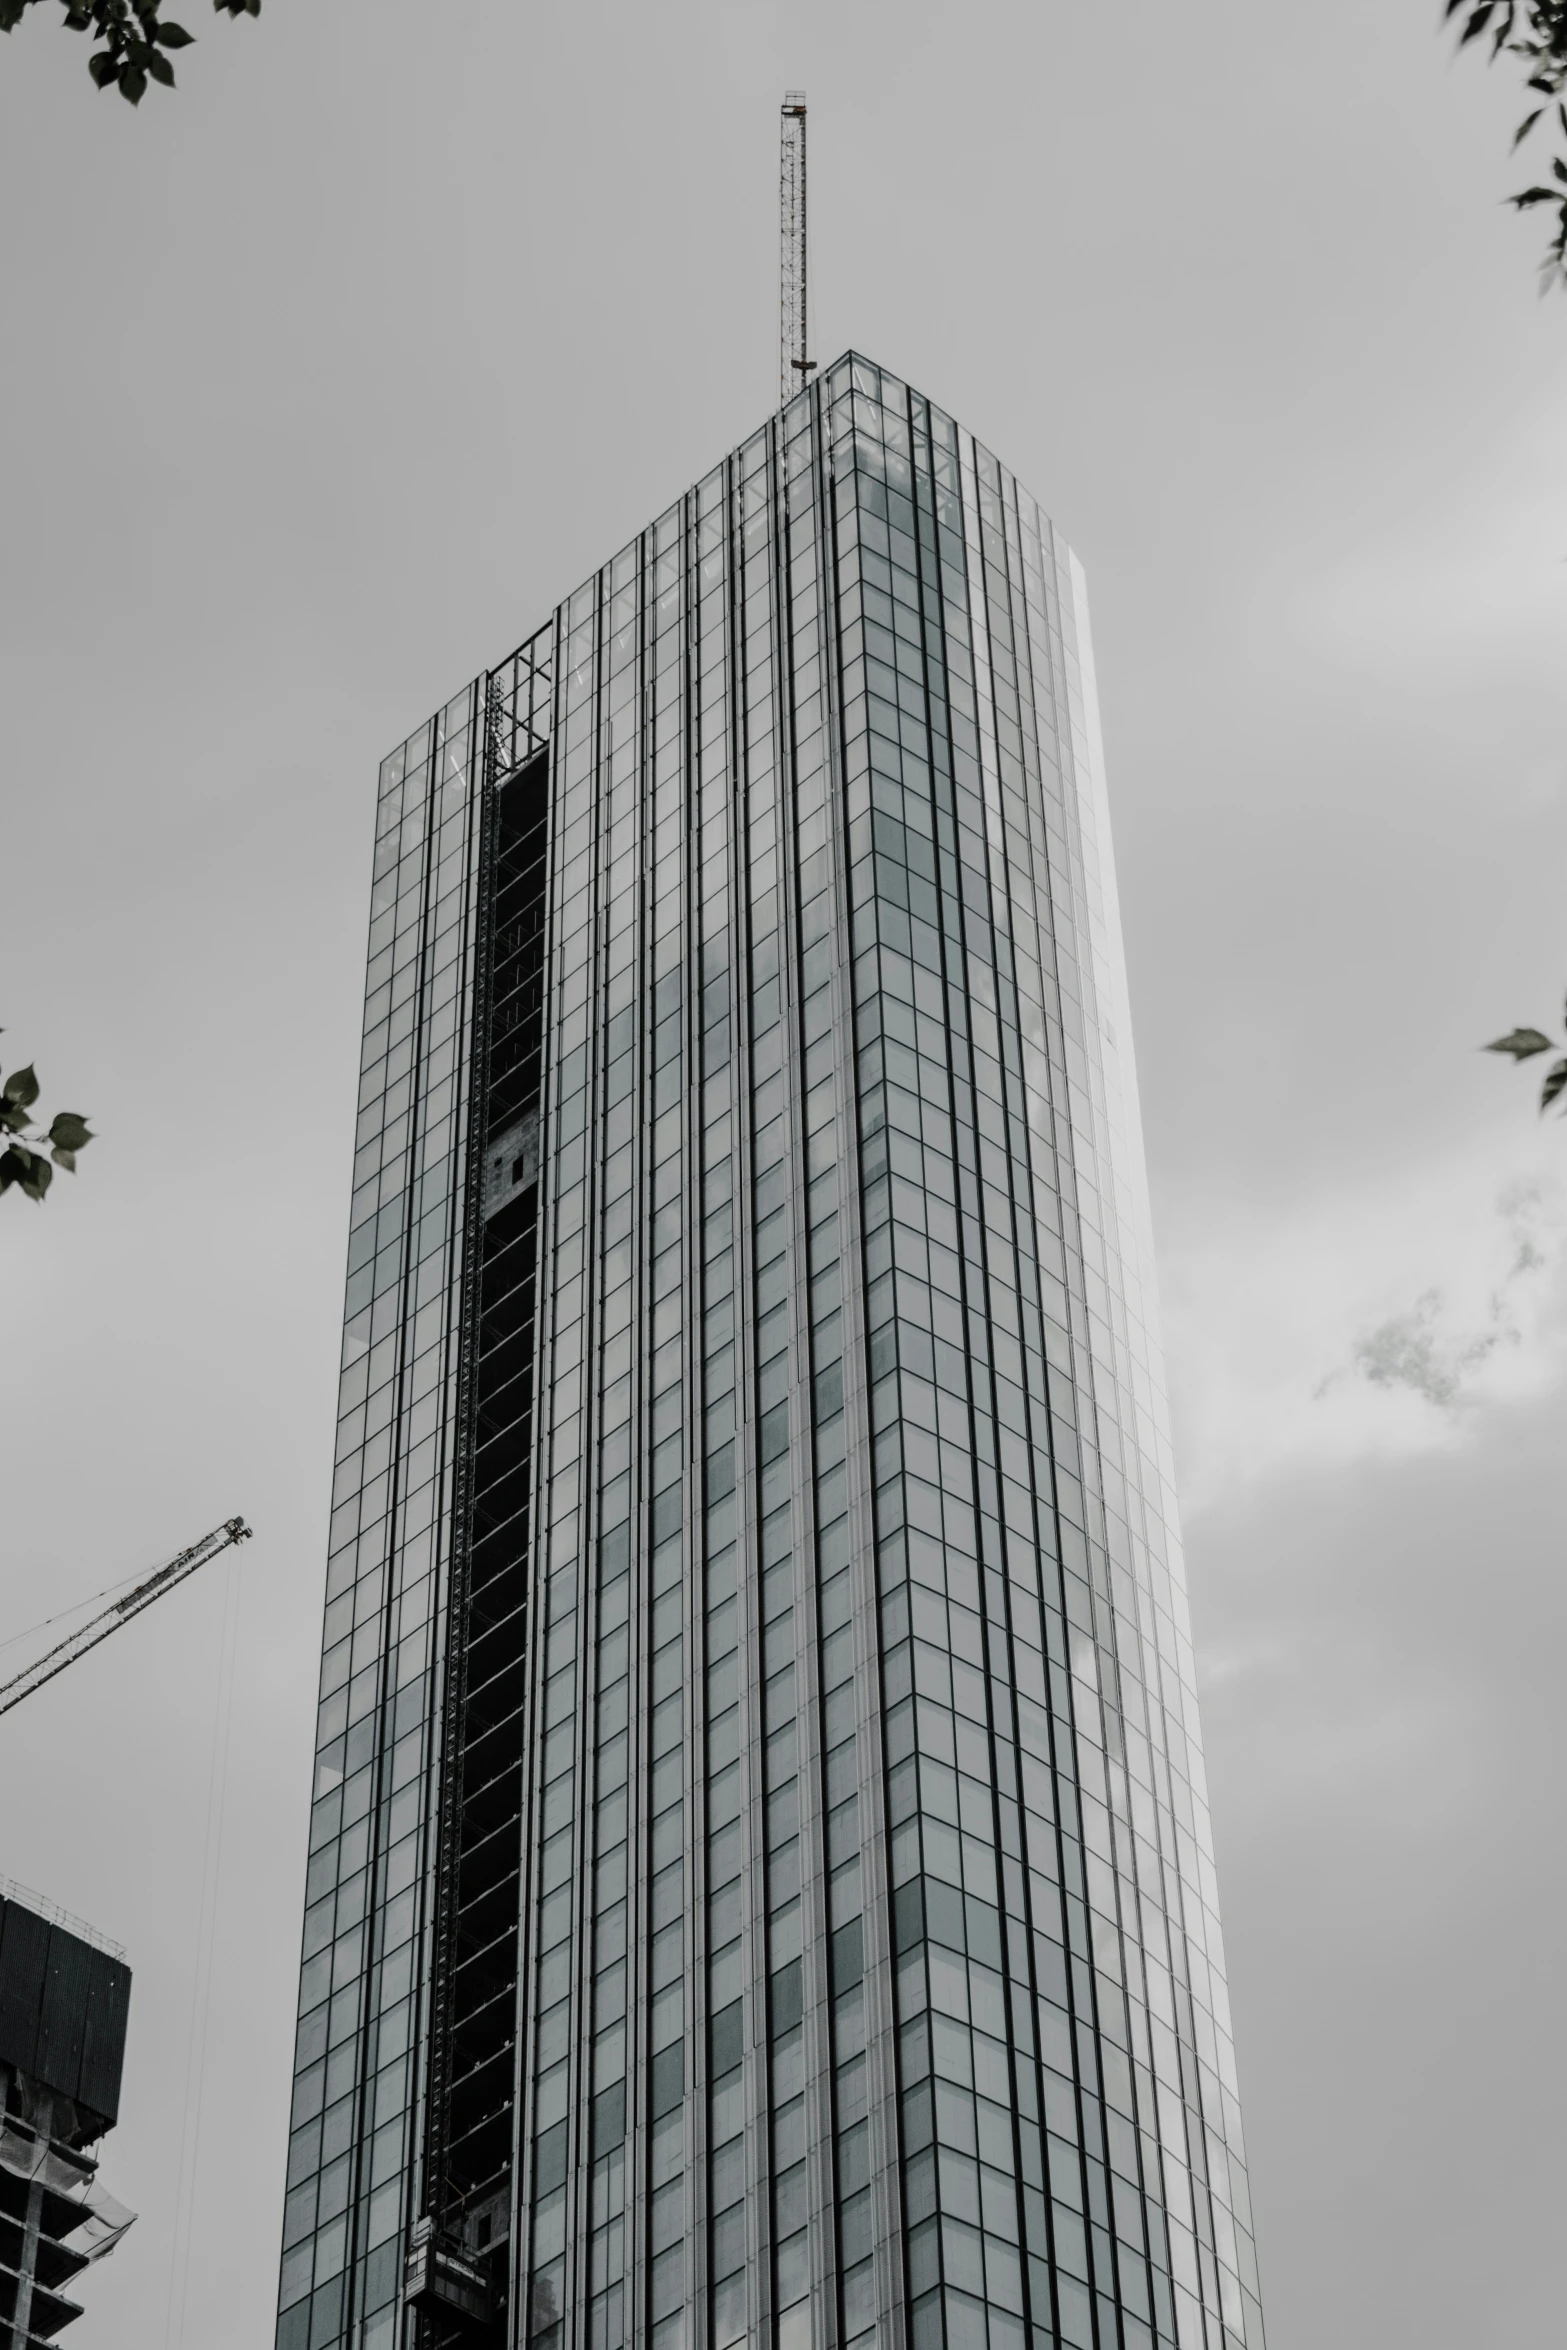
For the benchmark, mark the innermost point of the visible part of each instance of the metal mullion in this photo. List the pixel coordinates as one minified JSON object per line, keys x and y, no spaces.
{"x":639,"y":1568}
{"x":639,"y":2122}
{"x":698,"y":2131}
{"x":880,"y":1957}
{"x":747,"y":1568}
{"x":578,"y":2110}
{"x":537,"y":1656}
{"x":1041,"y":1503}
{"x":821,"y":2085}
{"x":693,"y":1547}
{"x":1092,"y":2018}
{"x":974,"y":538}
{"x":1129,"y":1932}
{"x":884,"y":2116}
{"x":641,"y":1225}
{"x":418,"y":2118}
{"x":482,"y":770}
{"x":468,"y":1141}
{"x":394,"y":1502}
{"x":377,"y":1861}
{"x":1158,"y":2195}
{"x":639,"y":2323}
{"x":967,"y":1082}
{"x":986,"y":709}
{"x":807,"y":1675}
{"x":760,"y":2186}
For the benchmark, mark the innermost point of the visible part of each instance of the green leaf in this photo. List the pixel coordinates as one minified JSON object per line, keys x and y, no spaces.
{"x":70,"y":1131}
{"x":13,"y":1118}
{"x":1477,"y":23}
{"x":31,"y":1174}
{"x":65,"y":1159}
{"x":173,"y":36}
{"x":1522,"y":1043}
{"x":133,"y":84}
{"x":22,"y":1086}
{"x":1526,"y":126}
{"x":161,"y":70}
{"x":103,"y":69}
{"x":1555,"y":1079}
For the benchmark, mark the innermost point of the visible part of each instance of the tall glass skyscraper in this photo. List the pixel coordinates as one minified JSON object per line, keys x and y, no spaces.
{"x":760,"y":1878}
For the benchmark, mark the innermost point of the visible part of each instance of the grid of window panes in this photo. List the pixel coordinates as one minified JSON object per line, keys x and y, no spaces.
{"x":353,"y":2122}
{"x":916,"y":1361}
{"x":681,"y":2099}
{"x":1071,"y":2135}
{"x":871,"y":1979}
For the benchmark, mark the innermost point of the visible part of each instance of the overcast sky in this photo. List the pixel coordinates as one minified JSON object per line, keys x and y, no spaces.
{"x":321,"y":381}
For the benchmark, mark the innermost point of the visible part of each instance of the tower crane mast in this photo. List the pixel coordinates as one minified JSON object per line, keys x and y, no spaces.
{"x":793,"y":365}
{"x":120,"y":1611}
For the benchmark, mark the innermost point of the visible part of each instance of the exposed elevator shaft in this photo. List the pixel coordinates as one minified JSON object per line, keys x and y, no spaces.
{"x":457,"y":2268}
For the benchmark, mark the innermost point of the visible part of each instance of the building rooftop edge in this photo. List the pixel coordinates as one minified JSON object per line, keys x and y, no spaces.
{"x":25,"y":1898}
{"x":850,"y":354}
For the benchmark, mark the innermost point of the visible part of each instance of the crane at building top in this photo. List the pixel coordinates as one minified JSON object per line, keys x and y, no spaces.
{"x":793,"y":366}
{"x":121,"y":1611}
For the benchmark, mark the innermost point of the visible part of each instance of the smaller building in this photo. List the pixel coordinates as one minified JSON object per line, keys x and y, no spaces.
{"x":64,"y":1998}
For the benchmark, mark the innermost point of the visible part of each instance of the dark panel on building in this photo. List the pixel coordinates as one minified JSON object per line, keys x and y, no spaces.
{"x":63,"y":2009}
{"x":103,"y":2039}
{"x":63,"y":2021}
{"x":24,"y":1967}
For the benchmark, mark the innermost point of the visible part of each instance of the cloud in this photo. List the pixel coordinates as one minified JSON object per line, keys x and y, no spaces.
{"x":1416,"y":1349}
{"x":1405,"y":1353}
{"x":1378,"y":1324}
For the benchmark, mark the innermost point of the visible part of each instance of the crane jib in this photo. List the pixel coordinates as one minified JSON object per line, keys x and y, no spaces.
{"x":87,"y":1636}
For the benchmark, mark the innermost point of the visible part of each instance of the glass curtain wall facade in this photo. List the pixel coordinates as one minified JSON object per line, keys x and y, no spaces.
{"x":761,"y":1886}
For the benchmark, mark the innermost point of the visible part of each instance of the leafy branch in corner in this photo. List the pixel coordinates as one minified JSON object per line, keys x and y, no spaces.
{"x":136,"y":38}
{"x":1536,"y":31}
{"x":23,"y":1161}
{"x":1523,"y":1044}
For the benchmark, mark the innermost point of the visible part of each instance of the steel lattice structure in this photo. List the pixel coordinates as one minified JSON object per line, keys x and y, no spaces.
{"x":793,"y":365}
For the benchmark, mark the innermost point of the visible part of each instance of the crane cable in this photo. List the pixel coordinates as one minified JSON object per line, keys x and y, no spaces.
{"x":113,"y":1591}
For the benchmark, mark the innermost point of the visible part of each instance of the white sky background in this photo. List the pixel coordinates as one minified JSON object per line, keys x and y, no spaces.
{"x":321,"y":380}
